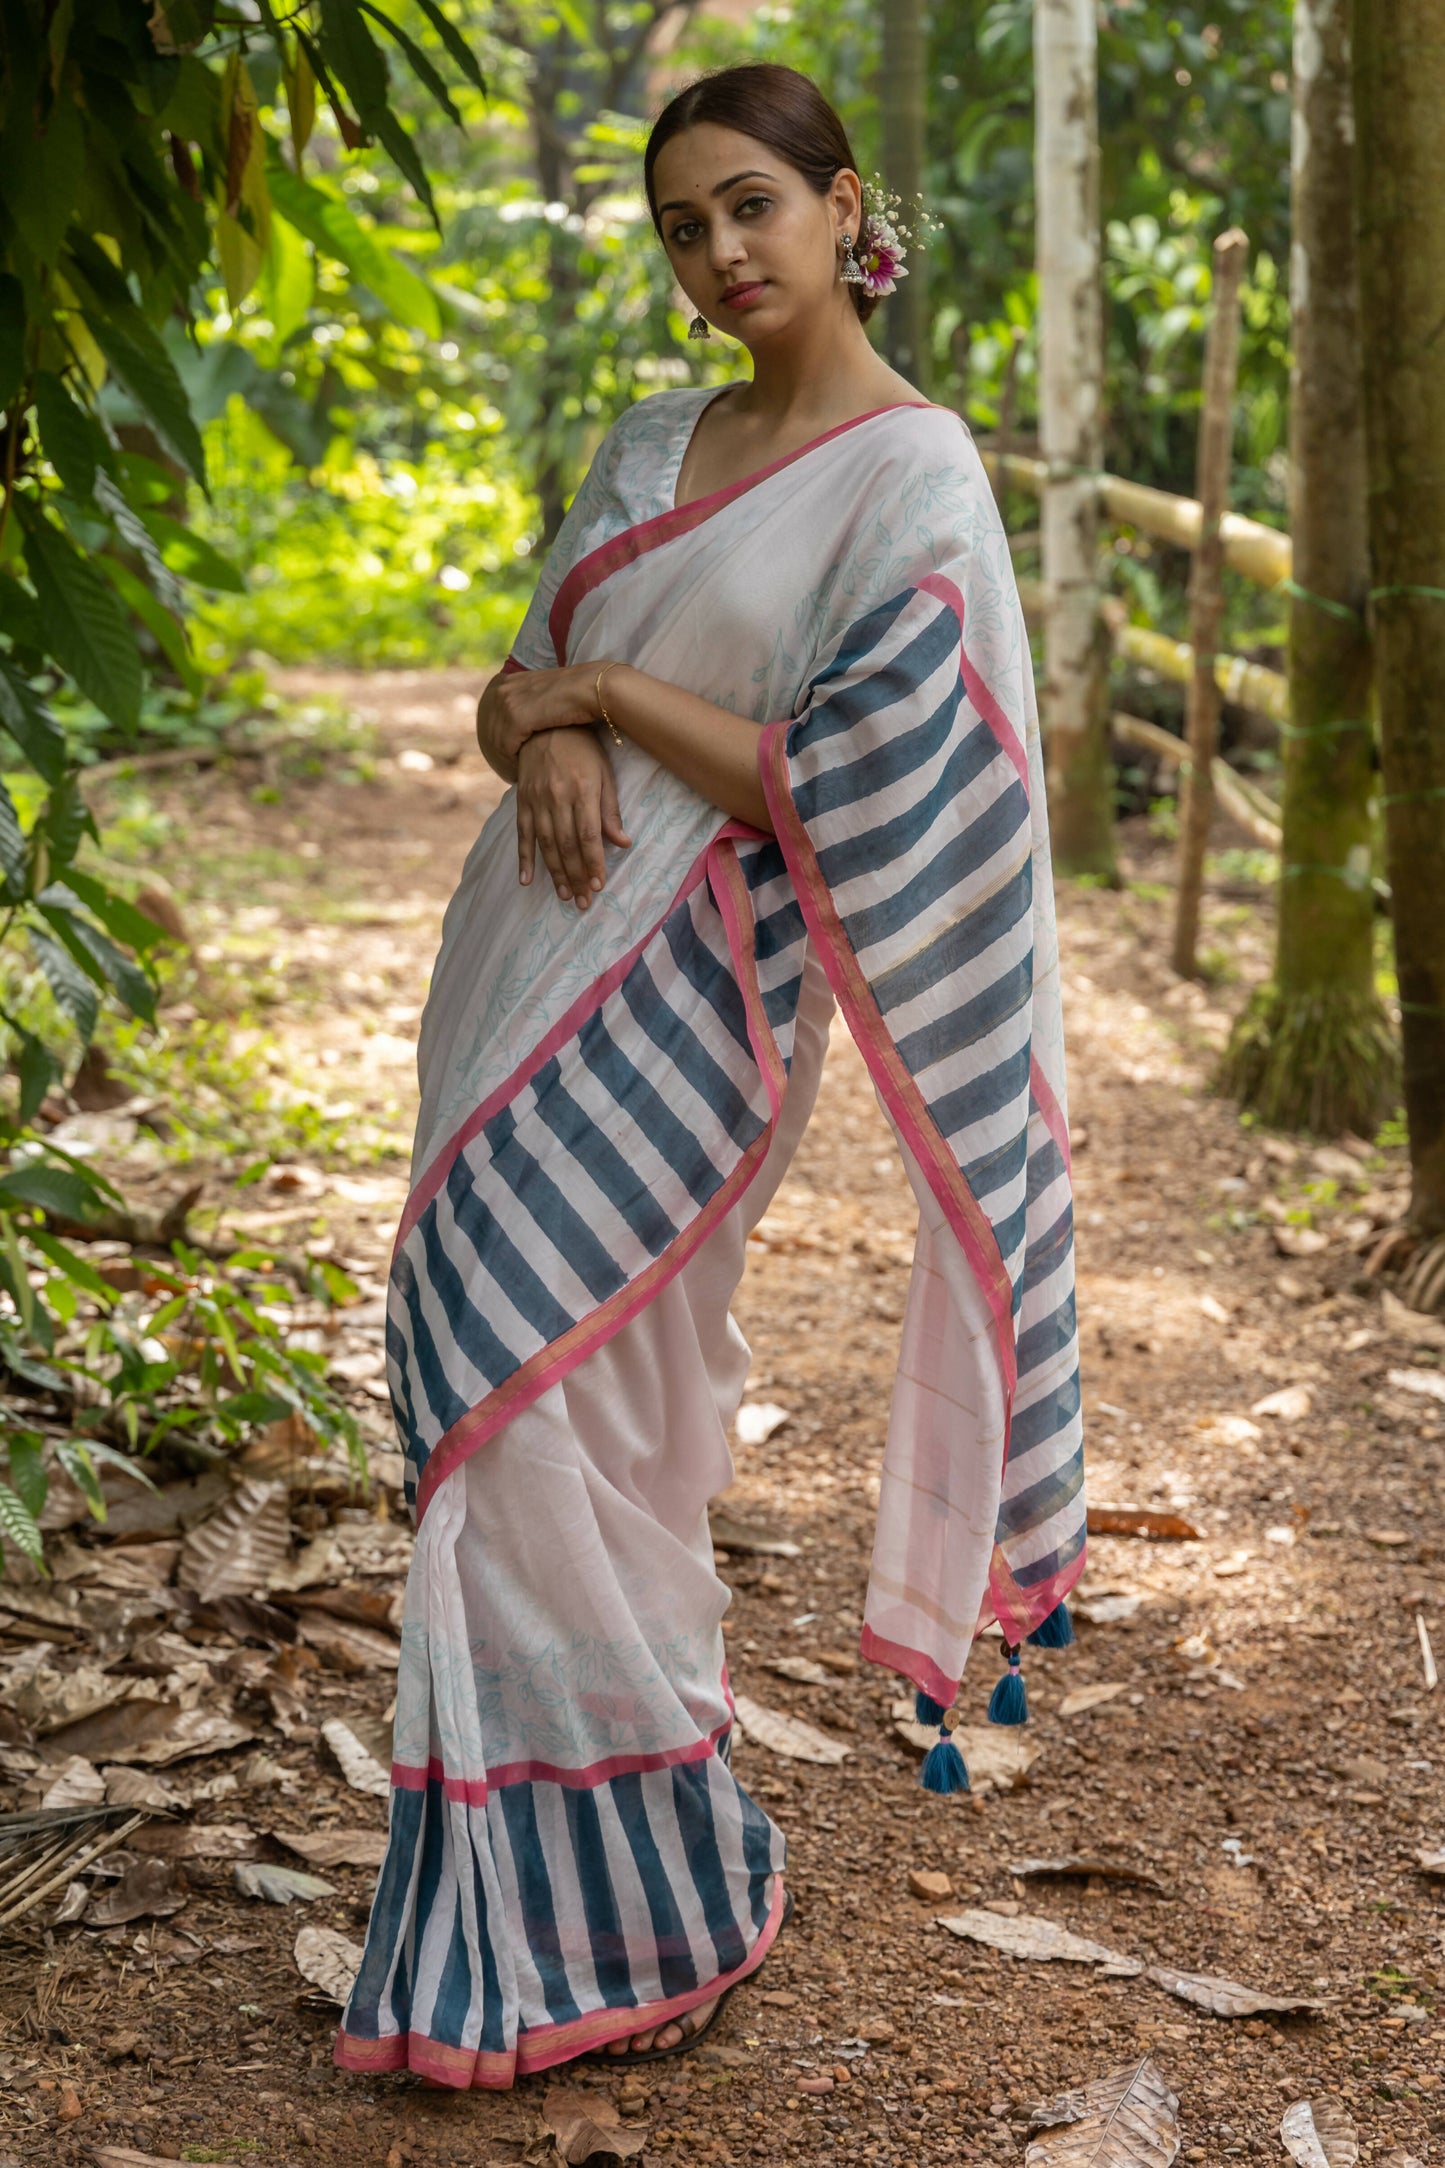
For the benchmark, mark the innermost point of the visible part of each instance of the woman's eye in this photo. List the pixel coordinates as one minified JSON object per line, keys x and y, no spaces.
{"x":754,"y":203}
{"x":685,"y":230}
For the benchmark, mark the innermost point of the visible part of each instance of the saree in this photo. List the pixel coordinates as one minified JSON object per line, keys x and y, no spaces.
{"x":608,"y":1100}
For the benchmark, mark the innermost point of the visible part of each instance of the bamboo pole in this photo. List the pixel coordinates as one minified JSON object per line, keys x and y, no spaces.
{"x":1247,"y":684}
{"x":1230,"y":789}
{"x":1206,"y":591}
{"x":1260,"y":553}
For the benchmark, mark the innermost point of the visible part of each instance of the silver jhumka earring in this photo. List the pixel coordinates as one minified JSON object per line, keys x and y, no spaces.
{"x":700,"y":328}
{"x":850,"y":270}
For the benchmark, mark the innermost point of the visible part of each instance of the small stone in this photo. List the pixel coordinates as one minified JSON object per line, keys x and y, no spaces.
{"x":69,"y":2107}
{"x":778,"y":1998}
{"x":1008,"y":1908}
{"x":929,"y":1883}
{"x":877,"y":2032}
{"x":839,"y":1662}
{"x":815,"y":2085}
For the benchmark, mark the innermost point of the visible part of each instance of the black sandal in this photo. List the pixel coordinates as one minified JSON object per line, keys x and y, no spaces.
{"x":689,"y":2040}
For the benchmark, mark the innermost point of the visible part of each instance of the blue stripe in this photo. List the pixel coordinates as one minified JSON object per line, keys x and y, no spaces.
{"x":1005,"y":1163}
{"x":881,"y":763}
{"x":1047,"y":1251}
{"x":1044,"y":1569}
{"x":710,"y":976}
{"x":389,"y":1910}
{"x":894,"y":841}
{"x":595,"y":1152}
{"x":446,"y":1405}
{"x":981,"y":1096}
{"x":497,"y":1253}
{"x":1044,"y":1418}
{"x":676,"y":1972}
{"x":692,"y":1803}
{"x":944,"y":1036}
{"x":958,"y":943}
{"x":1048,"y":1337}
{"x":606,"y":1935}
{"x":907,"y":908}
{"x":675,"y":1038}
{"x":534,"y":1893}
{"x":1041,"y":1501}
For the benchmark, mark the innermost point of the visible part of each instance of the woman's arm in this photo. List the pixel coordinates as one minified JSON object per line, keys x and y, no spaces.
{"x":707,"y":746}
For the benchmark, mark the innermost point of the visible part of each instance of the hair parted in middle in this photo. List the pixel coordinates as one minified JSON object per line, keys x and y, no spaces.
{"x":775,"y":105}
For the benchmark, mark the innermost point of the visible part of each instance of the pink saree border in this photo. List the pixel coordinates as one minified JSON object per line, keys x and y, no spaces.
{"x":625,"y":548}
{"x":566,"y":1027}
{"x":910,"y":1663}
{"x":1051,"y":1114}
{"x":475,"y":1791}
{"x":980,"y":694}
{"x":905,"y":1102}
{"x":542,"y":2046}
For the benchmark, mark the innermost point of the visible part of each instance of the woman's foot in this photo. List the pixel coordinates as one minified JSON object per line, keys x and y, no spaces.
{"x":666,"y":2036}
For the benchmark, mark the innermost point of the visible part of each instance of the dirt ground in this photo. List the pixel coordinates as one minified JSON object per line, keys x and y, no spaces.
{"x":1269,"y":1759}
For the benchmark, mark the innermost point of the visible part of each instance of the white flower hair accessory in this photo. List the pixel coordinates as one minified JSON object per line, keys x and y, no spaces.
{"x":875,"y":261}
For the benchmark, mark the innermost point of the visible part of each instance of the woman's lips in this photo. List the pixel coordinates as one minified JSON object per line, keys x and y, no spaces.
{"x":743,"y":297}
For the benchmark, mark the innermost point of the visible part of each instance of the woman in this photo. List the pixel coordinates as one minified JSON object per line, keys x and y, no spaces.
{"x":770,"y":725}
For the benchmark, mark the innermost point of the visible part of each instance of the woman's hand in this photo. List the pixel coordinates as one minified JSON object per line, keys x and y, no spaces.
{"x":566,"y":809}
{"x":520,"y":703}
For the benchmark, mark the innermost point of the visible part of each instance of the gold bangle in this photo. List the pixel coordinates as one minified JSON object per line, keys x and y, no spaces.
{"x":617,"y":737}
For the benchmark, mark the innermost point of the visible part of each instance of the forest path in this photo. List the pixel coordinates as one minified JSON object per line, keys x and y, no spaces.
{"x":1265,"y":1749}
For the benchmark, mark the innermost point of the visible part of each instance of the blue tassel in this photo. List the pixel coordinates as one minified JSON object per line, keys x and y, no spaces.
{"x":1056,"y":1631}
{"x":1009,"y":1703}
{"x":926,"y":1710}
{"x":944,"y":1769}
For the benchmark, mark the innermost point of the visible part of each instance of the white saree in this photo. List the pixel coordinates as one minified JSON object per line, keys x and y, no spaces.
{"x":608,"y":1101}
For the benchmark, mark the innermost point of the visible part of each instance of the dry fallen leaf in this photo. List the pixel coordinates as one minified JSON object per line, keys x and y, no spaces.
{"x":278,"y":1885}
{"x":1091,"y":1697}
{"x":730,"y":1535}
{"x":1427,"y":1653}
{"x":1226,"y":1998}
{"x":1403,"y":1323}
{"x":335,"y":1847}
{"x":1126,"y":2119}
{"x":583,"y":2124}
{"x":133,"y":1788}
{"x":1319,"y":2134}
{"x":1291,"y":1404}
{"x":1140,"y":1521}
{"x":183,"y":1734}
{"x":235,"y":1551}
{"x":327,"y":1960}
{"x":1431,"y":1862}
{"x":346,"y":1647}
{"x":1082,"y":1864}
{"x":1106,"y":1610}
{"x":360,"y":1767}
{"x":76,"y":1783}
{"x":197,"y":1840}
{"x":1299,"y":1241}
{"x":801,"y":1668}
{"x":787,"y":1735}
{"x":756,"y":1420}
{"x":1430,"y":1383}
{"x":1030,"y":1935}
{"x":48,"y":1701}
{"x":319,"y":1561}
{"x":151,"y":1889}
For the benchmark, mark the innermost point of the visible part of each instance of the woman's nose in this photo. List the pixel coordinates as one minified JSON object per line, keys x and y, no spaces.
{"x":727,"y":248}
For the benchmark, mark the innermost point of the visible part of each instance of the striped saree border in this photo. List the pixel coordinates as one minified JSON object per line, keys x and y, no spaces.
{"x":476,"y":1791}
{"x":541,"y":2047}
{"x":859,"y":1006}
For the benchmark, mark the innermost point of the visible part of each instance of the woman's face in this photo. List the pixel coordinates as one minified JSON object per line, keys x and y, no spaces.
{"x":752,"y":245}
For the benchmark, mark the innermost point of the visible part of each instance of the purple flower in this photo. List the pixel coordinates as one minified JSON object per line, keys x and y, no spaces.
{"x":881,"y":257}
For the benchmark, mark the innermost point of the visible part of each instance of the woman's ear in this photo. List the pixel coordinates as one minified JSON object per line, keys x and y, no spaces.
{"x":846,"y":197}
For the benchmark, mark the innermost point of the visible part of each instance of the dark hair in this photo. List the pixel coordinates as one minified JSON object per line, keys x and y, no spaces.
{"x":776,"y":106}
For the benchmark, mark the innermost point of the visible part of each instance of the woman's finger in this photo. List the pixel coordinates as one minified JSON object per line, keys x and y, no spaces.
{"x":611,"y":811}
{"x":589,"y":837}
{"x":552,"y":859}
{"x":526,"y":844}
{"x":574,"y":864}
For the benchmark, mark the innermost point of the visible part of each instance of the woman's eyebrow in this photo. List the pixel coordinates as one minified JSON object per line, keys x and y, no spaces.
{"x":753,"y":174}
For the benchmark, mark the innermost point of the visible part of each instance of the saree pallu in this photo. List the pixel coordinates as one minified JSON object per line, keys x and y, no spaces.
{"x":608,"y":1101}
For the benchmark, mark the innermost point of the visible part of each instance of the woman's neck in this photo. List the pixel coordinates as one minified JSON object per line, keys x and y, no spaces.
{"x":825,"y":372}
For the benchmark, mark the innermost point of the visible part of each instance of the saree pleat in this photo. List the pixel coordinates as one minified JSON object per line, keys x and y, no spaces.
{"x":607,"y":1104}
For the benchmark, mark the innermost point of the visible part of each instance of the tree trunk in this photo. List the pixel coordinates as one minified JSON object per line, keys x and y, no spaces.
{"x":1313,"y":1050}
{"x":1400,"y":185}
{"x":1206,"y":588}
{"x":1071,"y":432}
{"x":903,"y":105}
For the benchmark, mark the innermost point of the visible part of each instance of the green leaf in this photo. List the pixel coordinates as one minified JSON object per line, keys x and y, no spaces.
{"x":192,"y":556}
{"x":115,"y":914}
{"x":108,"y":1456}
{"x":571,"y":15}
{"x":75,"y":1458}
{"x":132,"y":530}
{"x":65,"y":819}
{"x":26,"y":1450}
{"x":41,"y":169}
{"x":84,"y":625}
{"x":31,"y":724}
{"x":355,"y":59}
{"x":95,"y":952}
{"x":17,"y":1525}
{"x":288,"y":282}
{"x":13,"y":857}
{"x":36,"y":1072}
{"x":421,"y":62}
{"x":53,"y":1189}
{"x":12,"y":338}
{"x":454,"y":42}
{"x":135,"y":353}
{"x":404,"y":154}
{"x":75,"y":1269}
{"x":71,"y":988}
{"x":332,"y":227}
{"x":19,"y":613}
{"x":254,"y":1407}
{"x":72,"y":442}
{"x":17,"y":1279}
{"x":167,"y":630}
